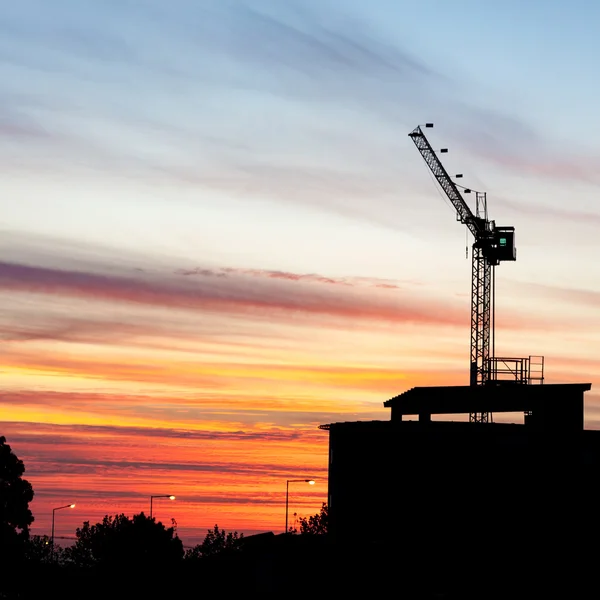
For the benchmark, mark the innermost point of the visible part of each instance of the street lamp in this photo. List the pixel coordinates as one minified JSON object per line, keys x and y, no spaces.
{"x":52,"y":537}
{"x":287,"y":495}
{"x":161,"y":496}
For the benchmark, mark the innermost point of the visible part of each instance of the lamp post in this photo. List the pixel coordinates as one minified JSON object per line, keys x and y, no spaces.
{"x":52,"y":536}
{"x":161,"y":496}
{"x":287,"y":495}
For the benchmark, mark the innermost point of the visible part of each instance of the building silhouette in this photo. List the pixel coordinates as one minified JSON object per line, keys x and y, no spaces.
{"x":493,"y":489}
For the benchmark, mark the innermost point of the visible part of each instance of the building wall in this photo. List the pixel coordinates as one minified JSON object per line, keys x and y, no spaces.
{"x":444,"y":480}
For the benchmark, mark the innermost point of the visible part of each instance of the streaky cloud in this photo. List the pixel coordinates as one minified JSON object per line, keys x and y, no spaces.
{"x":75,"y":464}
{"x":582,"y":296}
{"x":286,"y":275}
{"x":550,"y":213}
{"x":46,"y":433}
{"x":508,"y":141}
{"x":225,"y":295}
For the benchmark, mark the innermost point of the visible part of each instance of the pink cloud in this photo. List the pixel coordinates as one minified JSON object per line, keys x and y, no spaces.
{"x":575,"y":295}
{"x":582,"y":169}
{"x":548,"y":212}
{"x":239,"y":292}
{"x":255,"y":294}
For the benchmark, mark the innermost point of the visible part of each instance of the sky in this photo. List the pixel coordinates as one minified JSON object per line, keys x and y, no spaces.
{"x":216,"y":234}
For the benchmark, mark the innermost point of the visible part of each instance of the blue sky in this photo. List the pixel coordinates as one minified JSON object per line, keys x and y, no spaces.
{"x":300,"y":102}
{"x":218,"y":200}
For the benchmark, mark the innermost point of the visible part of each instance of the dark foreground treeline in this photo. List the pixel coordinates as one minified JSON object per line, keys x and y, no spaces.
{"x":482,"y":565}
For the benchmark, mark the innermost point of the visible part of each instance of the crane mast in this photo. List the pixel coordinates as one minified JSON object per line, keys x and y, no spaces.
{"x":491,"y":246}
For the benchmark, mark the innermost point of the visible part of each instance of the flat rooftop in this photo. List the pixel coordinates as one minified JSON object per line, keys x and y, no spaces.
{"x":439,"y":400}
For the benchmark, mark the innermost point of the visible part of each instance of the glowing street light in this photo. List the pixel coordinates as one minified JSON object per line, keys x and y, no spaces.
{"x":287,"y":495}
{"x":161,"y":496}
{"x":52,"y":537}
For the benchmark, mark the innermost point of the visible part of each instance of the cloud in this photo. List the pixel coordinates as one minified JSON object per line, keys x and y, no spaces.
{"x":141,"y":330}
{"x":219,"y":376}
{"x":203,"y":272}
{"x":329,"y":46}
{"x":70,"y":328}
{"x":287,"y":276}
{"x":15,"y":123}
{"x":226,"y":295}
{"x":91,"y":296}
{"x":297,"y":66}
{"x":551,"y":213}
{"x":507,"y":140}
{"x":69,"y":435}
{"x":328,"y":98}
{"x":581,"y":296}
{"x":77,"y":464}
{"x":230,"y":414}
{"x":137,"y":369}
{"x":137,"y":457}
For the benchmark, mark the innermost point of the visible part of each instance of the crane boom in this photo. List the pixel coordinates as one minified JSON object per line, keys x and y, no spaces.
{"x":475,"y":224}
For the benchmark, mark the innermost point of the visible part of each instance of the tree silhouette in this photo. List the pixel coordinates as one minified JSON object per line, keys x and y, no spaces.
{"x":118,"y":540}
{"x":38,"y":549}
{"x":15,"y":495}
{"x":317,"y":524}
{"x":217,"y":541}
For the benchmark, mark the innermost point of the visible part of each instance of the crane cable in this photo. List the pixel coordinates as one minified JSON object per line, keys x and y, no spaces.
{"x":439,"y":191}
{"x":446,"y":201}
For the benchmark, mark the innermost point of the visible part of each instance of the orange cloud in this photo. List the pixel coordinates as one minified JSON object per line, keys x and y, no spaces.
{"x":203,"y":374}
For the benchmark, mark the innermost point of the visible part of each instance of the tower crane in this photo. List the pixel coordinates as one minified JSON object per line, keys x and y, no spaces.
{"x":491,"y":246}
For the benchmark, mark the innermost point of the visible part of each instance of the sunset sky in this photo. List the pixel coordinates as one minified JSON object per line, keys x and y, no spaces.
{"x":216,"y":233}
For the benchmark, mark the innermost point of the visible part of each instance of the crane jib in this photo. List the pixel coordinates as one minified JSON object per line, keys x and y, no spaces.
{"x":466,"y":216}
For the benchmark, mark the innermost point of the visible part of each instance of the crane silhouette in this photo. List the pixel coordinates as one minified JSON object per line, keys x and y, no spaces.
{"x":491,"y":246}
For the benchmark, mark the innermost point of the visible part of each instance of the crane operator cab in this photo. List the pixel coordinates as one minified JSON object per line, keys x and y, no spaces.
{"x":502,"y":247}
